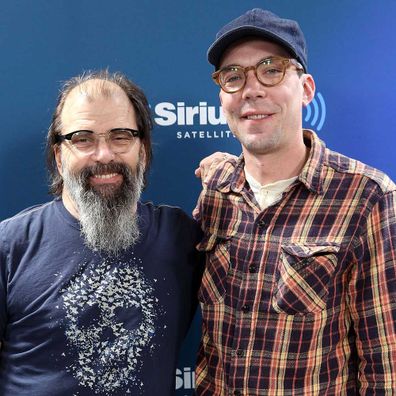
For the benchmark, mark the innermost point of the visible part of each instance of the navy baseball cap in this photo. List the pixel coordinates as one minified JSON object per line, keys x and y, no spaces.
{"x":263,"y":24}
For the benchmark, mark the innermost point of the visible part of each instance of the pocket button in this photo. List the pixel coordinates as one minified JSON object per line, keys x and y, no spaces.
{"x":252,"y":268}
{"x":245,"y":308}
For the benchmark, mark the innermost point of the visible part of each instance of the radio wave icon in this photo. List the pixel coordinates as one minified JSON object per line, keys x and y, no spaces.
{"x":316,"y":112}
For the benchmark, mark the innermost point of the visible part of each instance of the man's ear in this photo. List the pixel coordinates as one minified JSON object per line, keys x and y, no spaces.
{"x":143,"y":156}
{"x":309,"y":89}
{"x":58,"y":158}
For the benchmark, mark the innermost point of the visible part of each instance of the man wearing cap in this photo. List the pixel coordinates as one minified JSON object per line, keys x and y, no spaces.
{"x":299,"y":292}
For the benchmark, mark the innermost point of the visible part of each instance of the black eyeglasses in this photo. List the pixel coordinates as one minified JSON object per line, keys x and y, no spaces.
{"x":120,"y":140}
{"x":269,"y":72}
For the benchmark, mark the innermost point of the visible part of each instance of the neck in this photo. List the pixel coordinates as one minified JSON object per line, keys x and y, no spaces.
{"x":272,"y":167}
{"x":69,"y":204}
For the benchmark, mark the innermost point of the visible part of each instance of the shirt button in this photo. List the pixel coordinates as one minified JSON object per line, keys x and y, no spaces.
{"x":245,"y":308}
{"x":239,"y":352}
{"x":252,"y":268}
{"x":261,"y":224}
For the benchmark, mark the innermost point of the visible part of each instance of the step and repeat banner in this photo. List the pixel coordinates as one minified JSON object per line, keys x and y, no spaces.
{"x":162,"y":47}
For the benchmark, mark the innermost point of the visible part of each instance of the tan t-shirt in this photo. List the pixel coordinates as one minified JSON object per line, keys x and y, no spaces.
{"x":268,"y":194}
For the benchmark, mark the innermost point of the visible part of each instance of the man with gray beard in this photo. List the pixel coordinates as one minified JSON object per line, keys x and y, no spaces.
{"x":97,"y":289}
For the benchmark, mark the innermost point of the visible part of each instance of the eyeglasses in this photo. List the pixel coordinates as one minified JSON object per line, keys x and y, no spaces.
{"x":269,"y":72}
{"x":120,"y":140}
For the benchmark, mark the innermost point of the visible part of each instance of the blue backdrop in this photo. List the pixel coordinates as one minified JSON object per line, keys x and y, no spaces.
{"x":162,"y":47}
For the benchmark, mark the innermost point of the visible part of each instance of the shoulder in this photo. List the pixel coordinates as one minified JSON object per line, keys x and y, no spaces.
{"x":167,"y":223}
{"x":23,"y":227}
{"x":223,"y":173}
{"x":150,"y":209}
{"x":27,"y":216}
{"x":164,"y":215}
{"x":369,"y":175}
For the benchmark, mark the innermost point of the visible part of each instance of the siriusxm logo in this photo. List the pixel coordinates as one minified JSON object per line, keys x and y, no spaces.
{"x":205,"y":117}
{"x":209,"y":120}
{"x":167,"y":114}
{"x":316,"y":112}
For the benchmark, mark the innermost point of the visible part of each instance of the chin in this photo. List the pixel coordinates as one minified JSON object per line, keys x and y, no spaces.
{"x":107,"y":190}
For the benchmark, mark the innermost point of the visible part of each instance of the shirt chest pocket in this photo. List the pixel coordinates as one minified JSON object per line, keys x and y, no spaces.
{"x":302,"y":278}
{"x":214,"y":280}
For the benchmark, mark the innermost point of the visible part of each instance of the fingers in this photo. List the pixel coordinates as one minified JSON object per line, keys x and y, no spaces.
{"x":209,"y":164}
{"x":197,"y":172}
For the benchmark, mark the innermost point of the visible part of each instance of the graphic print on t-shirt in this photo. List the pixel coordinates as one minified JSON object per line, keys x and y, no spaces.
{"x":110,"y":321}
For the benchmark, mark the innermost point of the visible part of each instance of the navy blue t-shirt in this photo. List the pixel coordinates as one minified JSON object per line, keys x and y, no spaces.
{"x":76,"y":322}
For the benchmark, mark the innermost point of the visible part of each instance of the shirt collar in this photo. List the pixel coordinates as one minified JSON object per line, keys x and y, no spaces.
{"x":310,"y":175}
{"x":235,"y":180}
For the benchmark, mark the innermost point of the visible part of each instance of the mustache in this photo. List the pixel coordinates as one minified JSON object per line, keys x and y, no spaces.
{"x":100,"y":169}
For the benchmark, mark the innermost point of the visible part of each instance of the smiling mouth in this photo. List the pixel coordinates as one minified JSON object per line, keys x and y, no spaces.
{"x":105,"y":176}
{"x":104,"y":179}
{"x":256,"y":116}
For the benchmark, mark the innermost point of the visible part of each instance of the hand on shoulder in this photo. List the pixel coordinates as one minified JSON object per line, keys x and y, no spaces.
{"x":209,"y":164}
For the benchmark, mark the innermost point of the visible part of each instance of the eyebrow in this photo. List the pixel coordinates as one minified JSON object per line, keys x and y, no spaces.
{"x":261,"y":59}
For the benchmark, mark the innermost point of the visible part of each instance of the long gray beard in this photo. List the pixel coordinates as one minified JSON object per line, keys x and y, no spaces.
{"x":108,"y":218}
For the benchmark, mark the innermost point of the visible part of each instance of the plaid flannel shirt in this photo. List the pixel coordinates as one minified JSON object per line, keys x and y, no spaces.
{"x":300,"y":298}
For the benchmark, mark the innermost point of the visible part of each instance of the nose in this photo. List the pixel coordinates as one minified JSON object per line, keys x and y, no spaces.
{"x":103,"y":152}
{"x":253,"y":88}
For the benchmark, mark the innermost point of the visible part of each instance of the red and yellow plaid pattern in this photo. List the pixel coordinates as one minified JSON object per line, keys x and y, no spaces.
{"x":299,"y":299}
